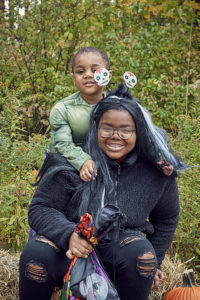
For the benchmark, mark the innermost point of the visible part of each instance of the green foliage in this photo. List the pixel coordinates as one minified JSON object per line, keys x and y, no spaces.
{"x":187,"y":144}
{"x":20,"y":162}
{"x":157,"y":40}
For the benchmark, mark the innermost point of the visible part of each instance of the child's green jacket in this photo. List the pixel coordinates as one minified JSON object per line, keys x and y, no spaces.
{"x":69,"y":120}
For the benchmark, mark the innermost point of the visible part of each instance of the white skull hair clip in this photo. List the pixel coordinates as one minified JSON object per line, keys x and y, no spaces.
{"x":101,"y":76}
{"x":130,"y":79}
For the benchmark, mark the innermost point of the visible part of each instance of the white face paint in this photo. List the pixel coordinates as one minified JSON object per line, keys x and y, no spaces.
{"x":130,"y":79}
{"x":101,"y":76}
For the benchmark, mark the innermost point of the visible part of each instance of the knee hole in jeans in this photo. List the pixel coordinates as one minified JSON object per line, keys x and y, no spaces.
{"x":36,"y":271}
{"x":146,"y":264}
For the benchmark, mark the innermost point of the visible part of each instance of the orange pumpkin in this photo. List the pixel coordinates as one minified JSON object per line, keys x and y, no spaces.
{"x":188,"y":291}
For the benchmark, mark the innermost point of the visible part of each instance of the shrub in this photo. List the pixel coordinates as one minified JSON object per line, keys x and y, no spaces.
{"x":19,"y":167}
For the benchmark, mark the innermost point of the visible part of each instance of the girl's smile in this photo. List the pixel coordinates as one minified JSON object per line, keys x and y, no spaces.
{"x":114,"y":146}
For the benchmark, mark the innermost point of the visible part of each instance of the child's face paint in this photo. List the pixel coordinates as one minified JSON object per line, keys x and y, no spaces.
{"x":130,"y":79}
{"x":101,"y":76}
{"x":85,"y":66}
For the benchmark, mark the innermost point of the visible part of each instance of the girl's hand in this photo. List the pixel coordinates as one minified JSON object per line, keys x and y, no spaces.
{"x":158,"y":278}
{"x":78,"y":247}
{"x":88,"y":171}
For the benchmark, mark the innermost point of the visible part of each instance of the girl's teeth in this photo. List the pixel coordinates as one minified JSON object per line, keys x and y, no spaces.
{"x":116,"y":146}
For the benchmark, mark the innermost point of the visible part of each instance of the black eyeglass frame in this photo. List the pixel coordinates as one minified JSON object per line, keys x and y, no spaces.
{"x":116,"y":129}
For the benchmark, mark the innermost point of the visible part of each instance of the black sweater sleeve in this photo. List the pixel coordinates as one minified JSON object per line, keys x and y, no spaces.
{"x":48,"y":209}
{"x":164,"y":218}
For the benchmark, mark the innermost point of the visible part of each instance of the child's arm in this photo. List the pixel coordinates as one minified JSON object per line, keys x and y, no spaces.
{"x":61,"y":138}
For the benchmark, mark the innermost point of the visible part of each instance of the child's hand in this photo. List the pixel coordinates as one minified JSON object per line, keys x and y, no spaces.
{"x":88,"y":171}
{"x":167,"y":169}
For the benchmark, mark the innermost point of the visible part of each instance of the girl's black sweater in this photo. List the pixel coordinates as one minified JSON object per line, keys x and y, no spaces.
{"x":148,"y":198}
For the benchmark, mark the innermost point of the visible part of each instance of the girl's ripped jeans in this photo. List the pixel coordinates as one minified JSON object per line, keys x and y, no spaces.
{"x":130,"y":262}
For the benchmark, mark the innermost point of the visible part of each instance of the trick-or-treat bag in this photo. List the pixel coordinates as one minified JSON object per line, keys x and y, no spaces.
{"x":86,"y":278}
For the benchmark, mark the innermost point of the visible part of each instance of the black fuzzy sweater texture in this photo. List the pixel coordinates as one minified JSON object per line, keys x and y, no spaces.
{"x":148,"y":198}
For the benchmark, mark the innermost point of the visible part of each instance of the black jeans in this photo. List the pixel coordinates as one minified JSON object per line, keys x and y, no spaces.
{"x":130,"y":262}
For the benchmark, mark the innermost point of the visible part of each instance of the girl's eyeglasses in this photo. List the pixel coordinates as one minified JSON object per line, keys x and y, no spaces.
{"x":108,"y":132}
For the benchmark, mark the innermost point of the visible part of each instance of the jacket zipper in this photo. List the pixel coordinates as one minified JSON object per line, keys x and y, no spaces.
{"x":116,"y":186}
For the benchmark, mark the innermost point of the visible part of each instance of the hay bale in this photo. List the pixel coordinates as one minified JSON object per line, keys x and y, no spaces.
{"x":172,"y":268}
{"x":173,"y":273}
{"x":9,"y":277}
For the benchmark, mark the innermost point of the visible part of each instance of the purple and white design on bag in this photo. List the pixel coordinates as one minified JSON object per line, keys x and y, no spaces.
{"x":96,"y":263}
{"x":94,"y":287}
{"x":97,"y":285}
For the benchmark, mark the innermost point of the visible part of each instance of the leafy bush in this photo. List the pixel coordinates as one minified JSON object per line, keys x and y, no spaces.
{"x":187,"y":143}
{"x":20,"y":162}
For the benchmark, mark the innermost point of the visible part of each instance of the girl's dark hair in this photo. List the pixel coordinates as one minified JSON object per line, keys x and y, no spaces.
{"x":151,"y":141}
{"x":94,"y":50}
{"x":151,"y":144}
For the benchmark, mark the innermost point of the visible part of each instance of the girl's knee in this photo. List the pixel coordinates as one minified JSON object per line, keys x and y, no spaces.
{"x":42,"y":260}
{"x":36,"y":272}
{"x":40,"y":252}
{"x":147,"y":264}
{"x":138,"y":253}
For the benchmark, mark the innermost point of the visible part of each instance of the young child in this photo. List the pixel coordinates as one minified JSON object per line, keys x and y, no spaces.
{"x":69,"y":118}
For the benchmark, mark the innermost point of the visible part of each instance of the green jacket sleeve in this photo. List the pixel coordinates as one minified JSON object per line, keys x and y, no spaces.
{"x":61,"y":137}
